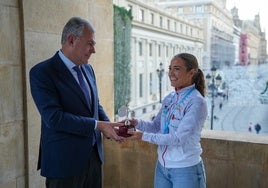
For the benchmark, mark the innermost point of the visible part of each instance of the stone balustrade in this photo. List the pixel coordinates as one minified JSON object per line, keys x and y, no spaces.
{"x":232,"y":160}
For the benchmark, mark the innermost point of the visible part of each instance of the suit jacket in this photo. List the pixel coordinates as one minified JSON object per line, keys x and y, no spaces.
{"x":67,"y":122}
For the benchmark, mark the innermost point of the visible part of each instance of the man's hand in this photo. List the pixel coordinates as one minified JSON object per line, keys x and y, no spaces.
{"x":107,"y":129}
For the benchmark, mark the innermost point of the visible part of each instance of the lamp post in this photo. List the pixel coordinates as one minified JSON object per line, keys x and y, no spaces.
{"x":215,"y":83}
{"x":160,"y":72}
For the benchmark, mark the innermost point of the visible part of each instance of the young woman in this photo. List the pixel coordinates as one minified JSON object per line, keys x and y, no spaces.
{"x":177,"y":127}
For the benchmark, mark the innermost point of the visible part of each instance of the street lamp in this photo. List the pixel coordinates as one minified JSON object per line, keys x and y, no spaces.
{"x":215,"y":83}
{"x":160,"y":72}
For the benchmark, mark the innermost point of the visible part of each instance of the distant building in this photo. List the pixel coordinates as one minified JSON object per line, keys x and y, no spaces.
{"x":253,"y":43}
{"x":157,"y":35}
{"x":205,"y":28}
{"x":263,"y":49}
{"x":217,"y":24}
{"x":236,"y":43}
{"x":243,"y":51}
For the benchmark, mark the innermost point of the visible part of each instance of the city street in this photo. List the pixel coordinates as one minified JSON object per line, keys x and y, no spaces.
{"x":243,"y":106}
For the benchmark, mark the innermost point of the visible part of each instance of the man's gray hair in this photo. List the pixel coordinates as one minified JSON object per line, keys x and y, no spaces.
{"x":75,"y":26}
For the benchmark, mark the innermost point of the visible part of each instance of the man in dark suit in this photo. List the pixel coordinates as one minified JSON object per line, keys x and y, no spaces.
{"x":65,"y":93}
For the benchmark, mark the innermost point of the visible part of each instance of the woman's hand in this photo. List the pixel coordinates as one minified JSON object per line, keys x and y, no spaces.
{"x":132,"y":121}
{"x":135,"y":135}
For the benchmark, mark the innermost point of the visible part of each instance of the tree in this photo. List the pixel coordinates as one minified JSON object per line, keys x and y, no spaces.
{"x":122,"y":58}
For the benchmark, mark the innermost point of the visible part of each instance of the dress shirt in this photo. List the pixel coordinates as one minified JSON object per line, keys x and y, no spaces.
{"x":69,"y":64}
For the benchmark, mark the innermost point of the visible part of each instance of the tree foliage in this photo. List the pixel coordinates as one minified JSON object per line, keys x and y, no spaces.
{"x":122,"y":58}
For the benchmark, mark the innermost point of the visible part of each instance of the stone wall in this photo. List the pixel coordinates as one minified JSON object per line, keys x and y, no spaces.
{"x":12,"y":138}
{"x":129,"y":165}
{"x":31,"y":32}
{"x":235,"y":160}
{"x":232,"y":160}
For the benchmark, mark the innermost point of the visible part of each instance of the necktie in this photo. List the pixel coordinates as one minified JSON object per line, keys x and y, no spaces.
{"x":82,"y":84}
{"x":85,"y":91}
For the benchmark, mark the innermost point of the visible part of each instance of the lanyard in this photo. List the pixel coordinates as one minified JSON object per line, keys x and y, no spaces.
{"x":166,"y":116}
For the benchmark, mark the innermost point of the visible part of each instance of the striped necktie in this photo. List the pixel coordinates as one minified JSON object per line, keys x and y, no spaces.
{"x":82,"y":84}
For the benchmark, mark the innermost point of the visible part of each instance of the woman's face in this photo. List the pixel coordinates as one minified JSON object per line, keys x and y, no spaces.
{"x":178,"y":74}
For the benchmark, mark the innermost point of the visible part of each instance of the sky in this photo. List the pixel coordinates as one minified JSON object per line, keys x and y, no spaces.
{"x":247,"y":10}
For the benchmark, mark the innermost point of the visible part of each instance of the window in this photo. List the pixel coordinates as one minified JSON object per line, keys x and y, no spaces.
{"x":166,"y":51}
{"x":141,"y":15}
{"x":180,"y":10}
{"x":152,"y":18}
{"x":151,"y":84}
{"x":150,"y":49}
{"x":144,"y":110}
{"x":140,"y":85}
{"x":140,"y":48}
{"x":159,"y":50}
{"x":199,"y":9}
{"x":168,"y":24}
{"x":161,"y":21}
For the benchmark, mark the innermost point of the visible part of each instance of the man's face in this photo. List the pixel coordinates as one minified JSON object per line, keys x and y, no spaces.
{"x":83,"y":47}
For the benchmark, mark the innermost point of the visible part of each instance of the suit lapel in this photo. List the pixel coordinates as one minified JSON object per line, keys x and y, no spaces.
{"x":65,"y":75}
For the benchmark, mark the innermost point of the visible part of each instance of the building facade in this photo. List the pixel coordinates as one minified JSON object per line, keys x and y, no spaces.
{"x":253,"y":43}
{"x":162,"y":28}
{"x":157,"y":35}
{"x":236,"y":43}
{"x":243,"y":50}
{"x":217,"y":25}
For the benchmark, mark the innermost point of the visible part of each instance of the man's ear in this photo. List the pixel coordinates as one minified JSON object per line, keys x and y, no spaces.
{"x":70,"y":39}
